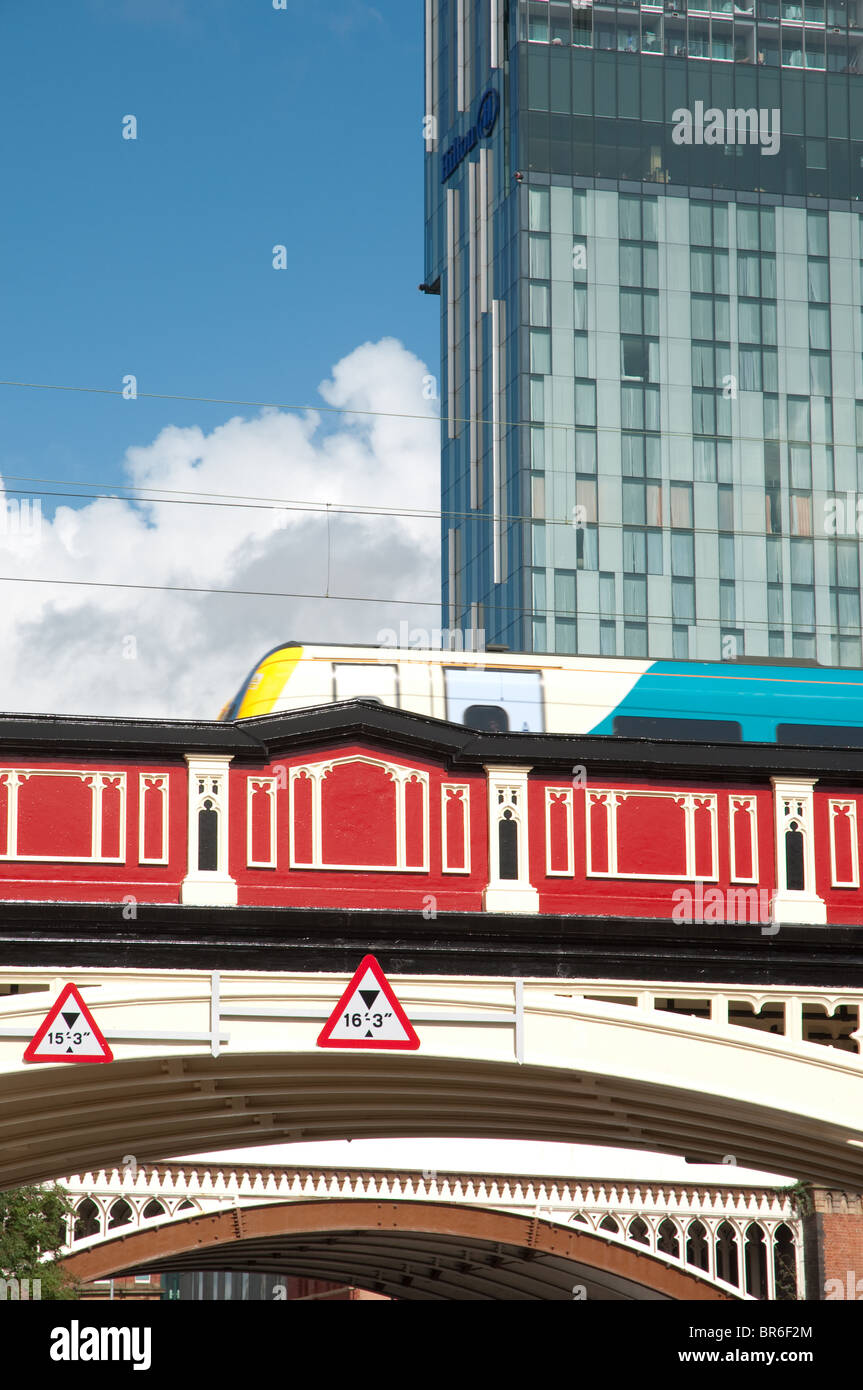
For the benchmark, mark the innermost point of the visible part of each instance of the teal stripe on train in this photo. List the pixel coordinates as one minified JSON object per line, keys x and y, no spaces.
{"x":756,"y":697}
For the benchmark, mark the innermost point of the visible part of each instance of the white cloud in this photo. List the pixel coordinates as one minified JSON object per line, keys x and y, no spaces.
{"x":65,"y":648}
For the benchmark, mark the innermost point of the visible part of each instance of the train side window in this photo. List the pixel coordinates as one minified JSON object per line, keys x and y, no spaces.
{"x":820,"y":735}
{"x":488,"y":719}
{"x":360,"y":680}
{"x":518,"y":694}
{"x":644,"y":726}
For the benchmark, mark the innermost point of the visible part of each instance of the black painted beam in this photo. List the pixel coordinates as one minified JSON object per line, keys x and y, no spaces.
{"x":262,"y":739}
{"x":65,"y":935}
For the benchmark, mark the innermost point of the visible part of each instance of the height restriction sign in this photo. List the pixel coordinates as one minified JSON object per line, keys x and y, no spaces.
{"x":68,"y":1033}
{"x":369,"y":1015}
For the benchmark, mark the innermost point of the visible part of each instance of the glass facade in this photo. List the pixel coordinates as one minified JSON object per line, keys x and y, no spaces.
{"x":648,"y":246}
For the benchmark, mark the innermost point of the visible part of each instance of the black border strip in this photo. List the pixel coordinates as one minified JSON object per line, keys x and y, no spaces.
{"x":65,"y":935}
{"x":261,"y":739}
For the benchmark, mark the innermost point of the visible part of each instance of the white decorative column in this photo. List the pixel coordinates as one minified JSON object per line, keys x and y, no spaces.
{"x":208,"y":882}
{"x":507,"y":802}
{"x":795,"y":815}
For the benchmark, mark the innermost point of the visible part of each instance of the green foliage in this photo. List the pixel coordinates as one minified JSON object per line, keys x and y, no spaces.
{"x":33,"y":1225}
{"x":801,"y":1196}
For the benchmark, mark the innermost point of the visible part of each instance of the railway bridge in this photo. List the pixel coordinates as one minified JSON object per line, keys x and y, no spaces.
{"x":214,"y":1060}
{"x":619,"y":942}
{"x":394,"y":1231}
{"x":220,"y":1060}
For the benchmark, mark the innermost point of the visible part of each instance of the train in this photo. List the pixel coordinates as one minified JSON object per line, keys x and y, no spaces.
{"x":775,"y":701}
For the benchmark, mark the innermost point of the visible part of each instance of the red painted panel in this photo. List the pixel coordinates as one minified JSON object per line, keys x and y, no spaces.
{"x":55,"y":817}
{"x":651,"y":835}
{"x":558,"y":836}
{"x":455,"y":837}
{"x":301,"y":829}
{"x":703,"y":839}
{"x":4,"y":810}
{"x":152,"y":813}
{"x":111,"y":809}
{"x":842,"y":841}
{"x":259,"y":811}
{"x":358,"y":815}
{"x":742,"y":823}
{"x":45,"y":823}
{"x":599,"y":840}
{"x":415,"y":826}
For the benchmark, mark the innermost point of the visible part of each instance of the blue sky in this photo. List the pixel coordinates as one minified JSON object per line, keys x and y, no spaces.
{"x":154,"y":257}
{"x":256,"y":127}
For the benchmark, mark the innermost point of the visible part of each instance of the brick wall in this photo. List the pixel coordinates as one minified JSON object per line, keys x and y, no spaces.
{"x":833,"y":1235}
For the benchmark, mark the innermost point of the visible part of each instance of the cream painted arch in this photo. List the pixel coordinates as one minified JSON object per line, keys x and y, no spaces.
{"x":204,"y":1062}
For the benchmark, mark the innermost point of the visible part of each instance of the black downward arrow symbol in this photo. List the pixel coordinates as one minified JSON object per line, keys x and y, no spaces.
{"x":369,"y":996}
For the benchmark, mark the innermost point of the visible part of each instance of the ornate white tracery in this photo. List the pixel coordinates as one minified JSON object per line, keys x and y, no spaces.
{"x":208,"y":796}
{"x":560,"y":795}
{"x":647,"y":1215}
{"x":794,"y":809}
{"x":267,"y":785}
{"x":98,"y":781}
{"x":153,"y":782}
{"x":507,"y":806}
{"x":400,"y":775}
{"x":836,"y":807}
{"x":460,"y":791}
{"x":598,"y":1205}
{"x":748,"y":806}
{"x":611,"y":799}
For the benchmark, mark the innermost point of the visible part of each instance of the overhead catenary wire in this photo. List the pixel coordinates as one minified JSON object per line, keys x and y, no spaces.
{"x":142,"y":494}
{"x":153,"y":496}
{"x":419,"y":416}
{"x":641,"y":620}
{"x":452,"y":514}
{"x":731,"y":673}
{"x":179,"y":497}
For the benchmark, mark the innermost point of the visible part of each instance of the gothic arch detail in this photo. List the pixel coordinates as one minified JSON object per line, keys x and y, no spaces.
{"x":455,"y":828}
{"x":208,"y":882}
{"x":509,"y":886}
{"x":796,"y":897}
{"x":844,"y":852}
{"x":360,"y":813}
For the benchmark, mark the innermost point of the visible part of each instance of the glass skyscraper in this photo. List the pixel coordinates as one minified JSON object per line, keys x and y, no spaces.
{"x":644,"y":224}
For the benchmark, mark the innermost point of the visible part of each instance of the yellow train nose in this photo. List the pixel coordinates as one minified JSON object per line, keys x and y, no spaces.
{"x":268,"y":682}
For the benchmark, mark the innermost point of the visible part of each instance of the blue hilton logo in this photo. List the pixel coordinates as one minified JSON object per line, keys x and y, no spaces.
{"x":486,"y":118}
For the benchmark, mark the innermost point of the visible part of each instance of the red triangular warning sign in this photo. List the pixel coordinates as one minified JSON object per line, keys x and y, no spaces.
{"x":369,"y":1015}
{"x":68,"y":1033}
